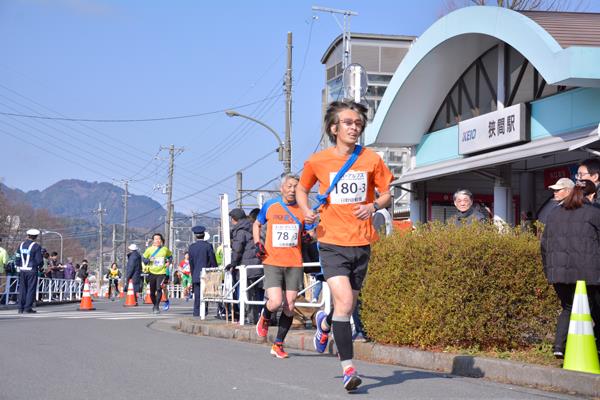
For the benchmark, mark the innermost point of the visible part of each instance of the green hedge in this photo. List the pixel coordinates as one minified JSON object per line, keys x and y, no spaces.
{"x":468,"y":286}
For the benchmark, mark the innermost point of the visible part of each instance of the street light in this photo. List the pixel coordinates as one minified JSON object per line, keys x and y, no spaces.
{"x":284,"y":152}
{"x":61,"y":242}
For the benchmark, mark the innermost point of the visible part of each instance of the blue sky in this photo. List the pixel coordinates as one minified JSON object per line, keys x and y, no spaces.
{"x":142,"y":59}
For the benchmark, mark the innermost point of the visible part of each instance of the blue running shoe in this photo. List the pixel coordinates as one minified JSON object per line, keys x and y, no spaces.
{"x":321,"y":337}
{"x":166,"y":306}
{"x":351,"y":379}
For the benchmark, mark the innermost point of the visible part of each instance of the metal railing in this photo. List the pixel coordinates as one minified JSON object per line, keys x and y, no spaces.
{"x":48,"y":290}
{"x":225,"y":292}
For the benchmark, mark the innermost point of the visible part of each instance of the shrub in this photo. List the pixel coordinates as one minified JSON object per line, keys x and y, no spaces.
{"x":468,"y":286}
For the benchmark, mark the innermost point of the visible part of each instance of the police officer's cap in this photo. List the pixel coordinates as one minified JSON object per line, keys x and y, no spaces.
{"x":133,"y":247}
{"x":33,"y":232}
{"x":198,"y":229}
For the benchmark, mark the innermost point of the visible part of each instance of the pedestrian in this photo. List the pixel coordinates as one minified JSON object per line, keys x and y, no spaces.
{"x":82,"y":275}
{"x":281,"y":255}
{"x":467,"y":211}
{"x":156,"y":259}
{"x":186,"y":278}
{"x":590,"y":169}
{"x":201,"y":255}
{"x":560,"y":190}
{"x":55,"y":267}
{"x":29,"y":259}
{"x":69,"y":269}
{"x":348,"y":176}
{"x":133,"y":269}
{"x":570,"y":248}
{"x":113,"y":277}
{"x":3,"y":258}
{"x":243,"y":252}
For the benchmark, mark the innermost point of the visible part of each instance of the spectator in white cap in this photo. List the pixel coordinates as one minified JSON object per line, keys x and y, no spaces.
{"x":134,"y":270}
{"x":28,"y":259}
{"x":562,"y":188}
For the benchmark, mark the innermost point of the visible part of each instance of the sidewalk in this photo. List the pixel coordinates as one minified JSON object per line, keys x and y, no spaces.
{"x":503,"y":371}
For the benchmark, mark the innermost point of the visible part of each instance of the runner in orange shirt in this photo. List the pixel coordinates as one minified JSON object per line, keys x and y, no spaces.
{"x":345,"y":230}
{"x":282,"y":259}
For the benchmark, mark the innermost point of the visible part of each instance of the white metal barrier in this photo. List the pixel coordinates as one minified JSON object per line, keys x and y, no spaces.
{"x":227,"y":288}
{"x":48,"y":290}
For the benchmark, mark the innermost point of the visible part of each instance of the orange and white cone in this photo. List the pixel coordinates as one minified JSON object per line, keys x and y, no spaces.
{"x":122,"y":292}
{"x":86,"y":300}
{"x":148,"y":299}
{"x":130,"y":301}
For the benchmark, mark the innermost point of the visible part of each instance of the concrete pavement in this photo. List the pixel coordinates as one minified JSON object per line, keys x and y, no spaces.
{"x":497,"y":370}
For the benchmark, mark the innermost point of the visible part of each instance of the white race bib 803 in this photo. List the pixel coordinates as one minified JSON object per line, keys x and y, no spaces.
{"x":285,"y":235}
{"x":351,"y":188}
{"x":159,"y":261}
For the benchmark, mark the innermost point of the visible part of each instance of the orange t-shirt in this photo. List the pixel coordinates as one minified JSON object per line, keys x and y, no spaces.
{"x":283,"y":241}
{"x":339,"y":225}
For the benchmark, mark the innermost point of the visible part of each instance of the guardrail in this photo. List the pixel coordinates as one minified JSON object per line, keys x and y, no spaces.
{"x":48,"y":290}
{"x":220,"y":289}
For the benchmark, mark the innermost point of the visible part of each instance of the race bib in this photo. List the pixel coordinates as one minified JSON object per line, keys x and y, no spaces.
{"x":285,"y":235}
{"x":158,"y":261}
{"x":351,"y":188}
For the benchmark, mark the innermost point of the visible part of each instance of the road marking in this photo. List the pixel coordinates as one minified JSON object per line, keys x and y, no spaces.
{"x":75,"y":314}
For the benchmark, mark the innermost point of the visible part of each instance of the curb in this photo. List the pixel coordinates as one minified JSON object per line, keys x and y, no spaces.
{"x":511,"y":372}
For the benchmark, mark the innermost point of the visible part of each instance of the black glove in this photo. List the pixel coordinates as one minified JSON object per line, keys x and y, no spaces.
{"x":229,"y":267}
{"x":146,"y":260}
{"x":306,"y":238}
{"x":261,"y":252}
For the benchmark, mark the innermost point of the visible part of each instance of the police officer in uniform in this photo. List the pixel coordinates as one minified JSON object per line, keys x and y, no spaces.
{"x":134,"y":270}
{"x":29,"y":260}
{"x":201,"y":256}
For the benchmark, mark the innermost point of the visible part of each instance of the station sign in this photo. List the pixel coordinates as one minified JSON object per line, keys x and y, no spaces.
{"x":491,"y":130}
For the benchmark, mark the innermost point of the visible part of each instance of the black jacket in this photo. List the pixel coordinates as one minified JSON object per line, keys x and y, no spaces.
{"x":468,"y":217}
{"x":134,"y":266}
{"x":243,"y":250}
{"x":201,"y":256}
{"x":571,"y":245}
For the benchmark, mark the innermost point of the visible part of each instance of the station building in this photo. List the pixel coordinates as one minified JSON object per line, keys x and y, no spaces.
{"x":499,"y":102}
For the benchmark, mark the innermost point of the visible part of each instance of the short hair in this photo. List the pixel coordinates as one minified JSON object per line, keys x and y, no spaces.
{"x":463,"y":192}
{"x":253,"y":214}
{"x":285,"y":177}
{"x":162,"y":239}
{"x":54,"y":254}
{"x":592,"y":165}
{"x":587,"y":186}
{"x":84,"y":261}
{"x":332,"y":117}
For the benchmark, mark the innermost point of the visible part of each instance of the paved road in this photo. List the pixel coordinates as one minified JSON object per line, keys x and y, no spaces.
{"x":119,"y":353}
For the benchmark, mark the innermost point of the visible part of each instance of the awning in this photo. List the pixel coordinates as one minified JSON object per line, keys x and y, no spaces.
{"x":569,"y":142}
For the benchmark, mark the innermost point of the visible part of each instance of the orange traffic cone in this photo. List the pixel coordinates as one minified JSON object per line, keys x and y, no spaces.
{"x":122,"y":292}
{"x":147,"y":299}
{"x":130,"y":301}
{"x":86,"y":300}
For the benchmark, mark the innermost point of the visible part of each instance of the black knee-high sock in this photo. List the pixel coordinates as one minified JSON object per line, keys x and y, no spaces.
{"x":266,"y":313}
{"x":285,"y":322}
{"x":342,"y":331}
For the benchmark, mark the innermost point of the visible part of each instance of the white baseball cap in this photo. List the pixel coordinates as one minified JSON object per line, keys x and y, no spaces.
{"x":562,"y":183}
{"x":133,"y":247}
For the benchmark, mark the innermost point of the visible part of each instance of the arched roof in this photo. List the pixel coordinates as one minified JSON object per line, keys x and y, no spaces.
{"x":438,"y":58}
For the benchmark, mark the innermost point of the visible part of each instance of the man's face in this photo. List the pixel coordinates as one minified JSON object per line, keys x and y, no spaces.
{"x":463,"y":202}
{"x":288,"y":190}
{"x":349,"y":128}
{"x":583,"y":173}
{"x":560,"y":194}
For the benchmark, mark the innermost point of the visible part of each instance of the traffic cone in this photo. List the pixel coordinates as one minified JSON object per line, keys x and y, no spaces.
{"x":581,"y":353}
{"x":86,"y":300}
{"x":122,"y":292}
{"x":147,"y":299}
{"x":130,"y":300}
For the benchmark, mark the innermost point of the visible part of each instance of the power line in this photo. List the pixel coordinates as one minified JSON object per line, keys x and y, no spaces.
{"x":185,"y":116}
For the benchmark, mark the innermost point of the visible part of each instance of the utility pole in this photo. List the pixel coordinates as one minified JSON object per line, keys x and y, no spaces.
{"x":114,"y":243}
{"x":287,"y":165}
{"x":238,"y":179}
{"x":125,"y":197}
{"x":345,"y":29}
{"x":169,"y":220}
{"x":100,"y":213}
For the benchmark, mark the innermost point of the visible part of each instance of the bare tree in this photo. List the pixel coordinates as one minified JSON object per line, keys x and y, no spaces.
{"x":520,"y":5}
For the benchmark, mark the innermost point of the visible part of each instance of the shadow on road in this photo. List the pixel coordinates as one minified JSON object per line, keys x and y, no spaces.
{"x":396,"y":378}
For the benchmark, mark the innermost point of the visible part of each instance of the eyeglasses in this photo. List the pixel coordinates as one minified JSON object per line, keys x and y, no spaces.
{"x":349,"y":122}
{"x":580,"y":175}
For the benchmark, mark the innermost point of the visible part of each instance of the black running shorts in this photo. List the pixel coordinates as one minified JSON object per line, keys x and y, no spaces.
{"x":350,"y":261}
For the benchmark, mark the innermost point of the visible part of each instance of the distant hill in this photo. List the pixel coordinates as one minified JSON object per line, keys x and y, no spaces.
{"x":74,"y":198}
